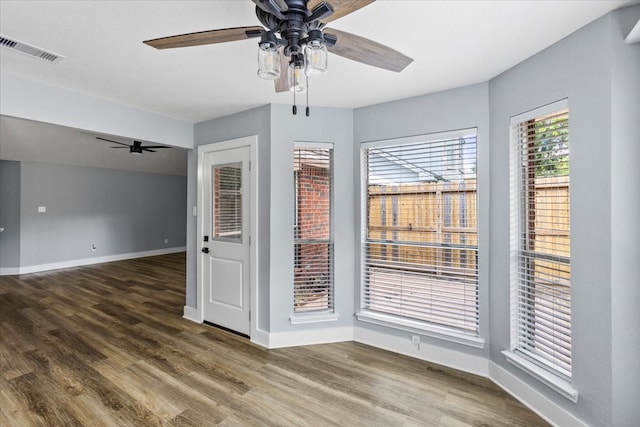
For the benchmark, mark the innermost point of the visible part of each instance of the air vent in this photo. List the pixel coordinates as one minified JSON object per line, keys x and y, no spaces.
{"x":27,"y":49}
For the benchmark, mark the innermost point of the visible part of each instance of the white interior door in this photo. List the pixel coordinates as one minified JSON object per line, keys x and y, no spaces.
{"x":225,"y":238}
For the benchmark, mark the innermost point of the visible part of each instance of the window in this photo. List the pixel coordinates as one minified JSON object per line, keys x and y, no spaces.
{"x":541,"y":268}
{"x":420,"y":236}
{"x":313,"y":228}
{"x":227,"y":202}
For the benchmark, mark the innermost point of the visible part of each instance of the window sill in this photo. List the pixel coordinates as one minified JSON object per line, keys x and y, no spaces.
{"x":556,"y":383}
{"x":299,"y":319}
{"x":420,"y":328}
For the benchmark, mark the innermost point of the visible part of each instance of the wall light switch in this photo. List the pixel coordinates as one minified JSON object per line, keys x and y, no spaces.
{"x":42,"y":209}
{"x":195,"y":211}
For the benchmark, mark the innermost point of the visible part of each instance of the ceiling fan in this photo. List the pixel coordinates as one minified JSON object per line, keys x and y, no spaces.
{"x":137,"y":148}
{"x":294,"y":36}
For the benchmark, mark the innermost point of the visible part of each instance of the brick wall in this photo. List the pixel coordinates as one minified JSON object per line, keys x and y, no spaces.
{"x":312,"y":270}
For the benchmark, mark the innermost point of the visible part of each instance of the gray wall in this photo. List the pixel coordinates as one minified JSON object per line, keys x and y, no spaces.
{"x":625,"y":220}
{"x":252,"y":122}
{"x":118,"y":211}
{"x":10,"y":214}
{"x":599,"y":75}
{"x":466,"y":107}
{"x":332,"y":125}
{"x":277,"y":130}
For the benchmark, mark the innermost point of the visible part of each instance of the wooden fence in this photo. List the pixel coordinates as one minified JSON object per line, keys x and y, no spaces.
{"x":436,"y":224}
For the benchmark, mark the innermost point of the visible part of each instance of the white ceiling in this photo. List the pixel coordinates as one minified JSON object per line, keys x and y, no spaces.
{"x":453,"y":44}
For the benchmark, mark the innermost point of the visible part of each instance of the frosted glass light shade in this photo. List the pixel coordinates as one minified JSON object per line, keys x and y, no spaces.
{"x":268,"y":62}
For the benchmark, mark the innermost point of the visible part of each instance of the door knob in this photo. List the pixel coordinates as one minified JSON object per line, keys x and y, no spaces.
{"x":205,"y":250}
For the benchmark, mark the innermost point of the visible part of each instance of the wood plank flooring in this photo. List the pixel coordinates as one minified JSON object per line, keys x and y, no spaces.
{"x":106,"y":345}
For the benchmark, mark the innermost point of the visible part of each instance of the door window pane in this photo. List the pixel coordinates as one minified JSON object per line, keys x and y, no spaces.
{"x":227,"y":202}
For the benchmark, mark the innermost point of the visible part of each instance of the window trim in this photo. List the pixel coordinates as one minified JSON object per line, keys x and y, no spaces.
{"x":397,"y":322}
{"x":517,"y":356}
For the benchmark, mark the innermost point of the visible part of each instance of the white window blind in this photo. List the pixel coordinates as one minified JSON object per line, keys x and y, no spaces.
{"x":313,"y":228}
{"x":420,"y":240}
{"x":542,"y":313}
{"x":227,"y":201}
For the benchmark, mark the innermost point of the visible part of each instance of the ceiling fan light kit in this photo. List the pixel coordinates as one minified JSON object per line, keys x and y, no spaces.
{"x":295,"y":41}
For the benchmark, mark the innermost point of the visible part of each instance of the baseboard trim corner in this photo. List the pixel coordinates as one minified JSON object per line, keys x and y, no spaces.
{"x":260,"y":337}
{"x":533,"y":399}
{"x":192,"y":314}
{"x":9,"y":271}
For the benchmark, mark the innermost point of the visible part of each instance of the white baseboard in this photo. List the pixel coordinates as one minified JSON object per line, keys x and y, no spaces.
{"x":533,"y":399}
{"x":9,"y":271}
{"x":192,"y":314}
{"x":260,"y":337}
{"x":89,"y":261}
{"x":477,"y":365}
{"x":310,"y":337}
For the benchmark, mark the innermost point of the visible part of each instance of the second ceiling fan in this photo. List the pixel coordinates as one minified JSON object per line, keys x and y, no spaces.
{"x":136,"y":148}
{"x":294,"y":41}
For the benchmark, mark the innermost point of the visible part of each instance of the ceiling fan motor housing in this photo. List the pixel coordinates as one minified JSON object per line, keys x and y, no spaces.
{"x":294,"y":24}
{"x":136,"y":148}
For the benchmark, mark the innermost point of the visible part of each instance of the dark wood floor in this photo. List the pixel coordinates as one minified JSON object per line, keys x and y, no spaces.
{"x":106,"y":345}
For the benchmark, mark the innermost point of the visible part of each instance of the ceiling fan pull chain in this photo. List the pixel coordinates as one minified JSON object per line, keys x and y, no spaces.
{"x":295,"y":108}
{"x":295,"y":84}
{"x":307,"y":110}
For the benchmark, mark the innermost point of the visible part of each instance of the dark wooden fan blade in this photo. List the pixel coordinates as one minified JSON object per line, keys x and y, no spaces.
{"x":121,"y":147}
{"x":154,"y":146}
{"x":340,"y":7}
{"x":205,"y":37}
{"x":110,"y":140}
{"x":147,"y":149}
{"x":282,"y":84}
{"x":367,"y":51}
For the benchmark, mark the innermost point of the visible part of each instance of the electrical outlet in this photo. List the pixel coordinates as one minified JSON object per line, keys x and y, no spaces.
{"x":93,"y":247}
{"x":166,"y":241}
{"x":415,"y":341}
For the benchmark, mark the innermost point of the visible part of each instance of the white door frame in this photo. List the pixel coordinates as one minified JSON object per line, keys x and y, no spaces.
{"x":251,"y":142}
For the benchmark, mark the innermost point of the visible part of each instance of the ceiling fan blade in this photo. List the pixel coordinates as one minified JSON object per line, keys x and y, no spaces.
{"x":340,"y":7}
{"x":147,"y":149}
{"x":120,"y":147}
{"x":154,"y":146}
{"x":110,"y":140}
{"x":282,"y":83}
{"x":205,"y":37}
{"x":367,"y":51}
